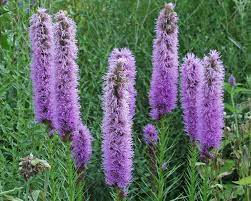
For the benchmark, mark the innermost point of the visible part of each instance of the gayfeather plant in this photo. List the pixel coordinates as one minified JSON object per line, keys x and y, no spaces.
{"x":191,"y":78}
{"x":67,"y":107}
{"x":81,"y":146}
{"x":151,"y":139}
{"x":130,"y":67}
{"x":163,"y":89}
{"x":232,"y":80}
{"x":117,"y":127}
{"x":41,"y":37}
{"x":150,"y":134}
{"x":211,"y":106}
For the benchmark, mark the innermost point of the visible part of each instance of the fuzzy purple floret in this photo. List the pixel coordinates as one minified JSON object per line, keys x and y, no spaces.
{"x":163,"y":89}
{"x":81,"y":146}
{"x":117,"y":127}
{"x":67,"y":108}
{"x":41,"y":36}
{"x":191,"y":79}
{"x":232,"y":81}
{"x":211,"y":106}
{"x":130,"y":66}
{"x":150,"y":134}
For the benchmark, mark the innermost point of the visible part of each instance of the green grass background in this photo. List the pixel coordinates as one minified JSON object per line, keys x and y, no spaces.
{"x":101,"y":26}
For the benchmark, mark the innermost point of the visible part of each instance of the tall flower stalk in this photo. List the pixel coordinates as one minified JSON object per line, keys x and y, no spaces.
{"x":163,"y":90}
{"x":211,"y":106}
{"x":232,"y":82}
{"x":41,"y":37}
{"x":191,"y":71}
{"x":67,"y":107}
{"x":151,"y":139}
{"x":117,"y":127}
{"x":164,"y":157}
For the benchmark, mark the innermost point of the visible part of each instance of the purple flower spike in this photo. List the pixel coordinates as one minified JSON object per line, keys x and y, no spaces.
{"x":192,"y":72}
{"x":211,"y":107}
{"x":42,"y":65}
{"x":163,"y":89}
{"x":67,"y":108}
{"x":150,"y":134}
{"x":130,"y":66}
{"x":81,"y":146}
{"x":117,"y":126}
{"x":232,"y":81}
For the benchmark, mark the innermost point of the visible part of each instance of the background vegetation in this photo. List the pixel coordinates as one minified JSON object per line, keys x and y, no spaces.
{"x":101,"y":26}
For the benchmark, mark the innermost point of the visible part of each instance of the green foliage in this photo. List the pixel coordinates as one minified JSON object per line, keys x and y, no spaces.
{"x":192,"y":179}
{"x":101,"y":26}
{"x":205,"y":181}
{"x":165,"y":181}
{"x":244,"y":181}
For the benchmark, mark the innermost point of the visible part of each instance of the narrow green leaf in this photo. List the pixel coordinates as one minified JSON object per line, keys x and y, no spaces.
{"x":244,"y":181}
{"x":11,"y":198}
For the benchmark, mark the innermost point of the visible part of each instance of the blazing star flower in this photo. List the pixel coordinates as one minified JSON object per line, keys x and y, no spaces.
{"x":211,"y":107}
{"x":117,"y":127}
{"x":163,"y":89}
{"x":192,"y":72}
{"x":41,"y":37}
{"x":67,"y":113}
{"x":232,"y":80}
{"x":81,"y":146}
{"x":150,"y":134}
{"x":67,"y":107}
{"x":127,"y":55}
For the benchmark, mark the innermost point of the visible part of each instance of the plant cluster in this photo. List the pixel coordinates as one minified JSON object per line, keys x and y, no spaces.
{"x":217,"y":154}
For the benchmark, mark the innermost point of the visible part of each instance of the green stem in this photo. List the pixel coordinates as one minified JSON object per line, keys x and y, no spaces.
{"x":71,"y":177}
{"x":81,"y":184}
{"x":152,"y":163}
{"x":248,"y":193}
{"x":31,"y":195}
{"x":82,"y":189}
{"x":46,"y":184}
{"x":162,"y":147}
{"x":118,"y":195}
{"x":192,"y":176}
{"x":10,"y":191}
{"x":27,"y":190}
{"x":235,"y":113}
{"x":206,"y":191}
